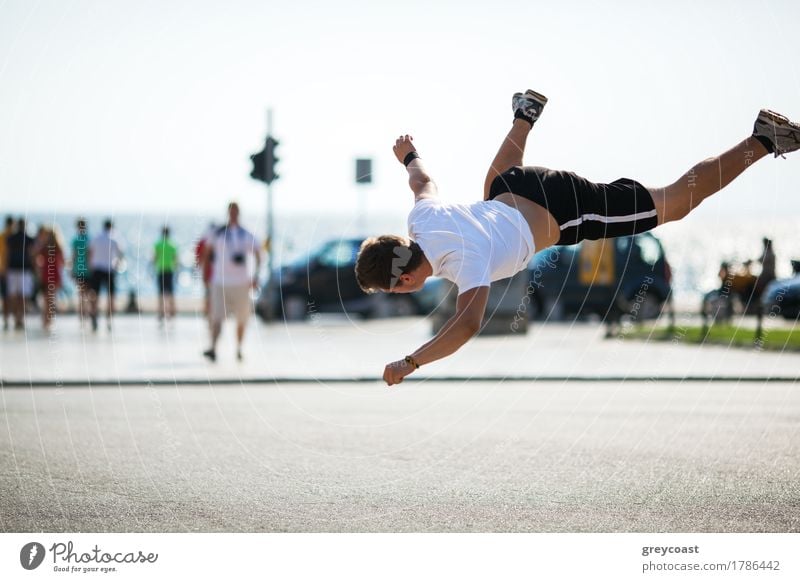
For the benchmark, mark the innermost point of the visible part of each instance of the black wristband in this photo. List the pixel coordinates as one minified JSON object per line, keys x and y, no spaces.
{"x":410,"y":157}
{"x":412,"y":361}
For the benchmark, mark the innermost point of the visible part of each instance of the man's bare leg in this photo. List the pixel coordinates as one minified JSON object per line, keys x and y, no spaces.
{"x":509,"y":154}
{"x":240,"y":327}
{"x":17,"y":305}
{"x":704,"y":179}
{"x":215,"y":327}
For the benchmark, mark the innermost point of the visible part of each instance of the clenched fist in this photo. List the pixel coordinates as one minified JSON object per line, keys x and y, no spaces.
{"x":403,"y":146}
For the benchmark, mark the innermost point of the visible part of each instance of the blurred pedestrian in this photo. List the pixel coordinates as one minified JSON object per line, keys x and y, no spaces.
{"x":165,"y":260}
{"x":105,"y":255}
{"x":39,"y":241}
{"x":50,"y":263}
{"x":20,"y":272}
{"x":205,"y":267}
{"x":80,"y":267}
{"x":232,"y":278}
{"x":767,"y":261}
{"x":725,"y":277}
{"x":8,"y":230}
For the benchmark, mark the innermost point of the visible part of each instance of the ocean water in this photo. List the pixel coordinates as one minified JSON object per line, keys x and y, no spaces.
{"x":694,"y":247}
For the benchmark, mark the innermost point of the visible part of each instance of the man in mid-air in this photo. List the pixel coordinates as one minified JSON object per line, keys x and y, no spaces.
{"x":525,"y":210}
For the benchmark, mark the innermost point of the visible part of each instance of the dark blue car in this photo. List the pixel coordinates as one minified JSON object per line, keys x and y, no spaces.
{"x":613,"y":278}
{"x":324,"y":281}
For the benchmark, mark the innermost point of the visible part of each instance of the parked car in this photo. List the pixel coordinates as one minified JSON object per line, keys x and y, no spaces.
{"x":608,"y":278}
{"x":782,"y":296}
{"x":324,"y":281}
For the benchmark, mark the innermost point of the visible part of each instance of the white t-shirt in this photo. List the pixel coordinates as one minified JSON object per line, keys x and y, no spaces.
{"x":229,"y":243}
{"x":104,"y":252}
{"x":471,"y":244}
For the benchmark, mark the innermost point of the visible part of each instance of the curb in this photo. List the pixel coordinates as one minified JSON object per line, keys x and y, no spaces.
{"x":210,"y":382}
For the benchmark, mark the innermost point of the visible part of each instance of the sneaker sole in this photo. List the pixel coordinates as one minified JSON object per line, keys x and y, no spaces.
{"x":776,"y":122}
{"x":776,"y":118}
{"x":537,"y":96}
{"x":539,"y":100}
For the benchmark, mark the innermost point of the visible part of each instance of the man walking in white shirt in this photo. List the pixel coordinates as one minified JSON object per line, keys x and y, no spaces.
{"x":233,"y":276}
{"x":105,"y":254}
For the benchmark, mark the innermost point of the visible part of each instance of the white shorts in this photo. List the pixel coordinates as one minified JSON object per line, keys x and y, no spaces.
{"x":20,"y":283}
{"x":230,"y":300}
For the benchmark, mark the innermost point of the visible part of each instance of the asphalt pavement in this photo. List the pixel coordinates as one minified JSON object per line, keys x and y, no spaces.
{"x":132,"y":431}
{"x":425,"y":457}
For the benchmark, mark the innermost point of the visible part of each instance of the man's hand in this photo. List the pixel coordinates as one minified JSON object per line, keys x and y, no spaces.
{"x":396,"y":371}
{"x":403,"y":146}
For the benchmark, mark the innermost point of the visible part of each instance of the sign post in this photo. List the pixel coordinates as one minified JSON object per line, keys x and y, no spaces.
{"x":363,"y":177}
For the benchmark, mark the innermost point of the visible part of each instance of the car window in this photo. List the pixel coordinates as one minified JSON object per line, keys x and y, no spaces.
{"x":338,"y":254}
{"x":649,"y":249}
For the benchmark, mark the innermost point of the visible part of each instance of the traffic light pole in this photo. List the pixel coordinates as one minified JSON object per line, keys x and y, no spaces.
{"x":270,"y":220}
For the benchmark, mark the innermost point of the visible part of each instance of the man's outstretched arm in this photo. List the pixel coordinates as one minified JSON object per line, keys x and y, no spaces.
{"x":418,"y":179}
{"x":458,"y":330}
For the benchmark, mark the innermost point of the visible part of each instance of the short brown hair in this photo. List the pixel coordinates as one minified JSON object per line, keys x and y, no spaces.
{"x":382,"y":259}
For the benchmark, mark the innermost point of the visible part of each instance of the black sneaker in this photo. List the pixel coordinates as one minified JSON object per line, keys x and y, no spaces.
{"x":211,"y":355}
{"x":782,"y":134}
{"x":528,"y":105}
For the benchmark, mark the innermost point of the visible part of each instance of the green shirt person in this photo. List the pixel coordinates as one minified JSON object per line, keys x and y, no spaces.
{"x":166,"y":254}
{"x":165,"y":261}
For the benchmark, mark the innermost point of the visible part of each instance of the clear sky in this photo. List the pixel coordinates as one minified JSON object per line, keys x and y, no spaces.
{"x":154,"y":105}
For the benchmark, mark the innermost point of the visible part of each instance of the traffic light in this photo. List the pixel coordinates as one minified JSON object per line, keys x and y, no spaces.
{"x":257,"y":172}
{"x":271,"y":159}
{"x":264,"y":162}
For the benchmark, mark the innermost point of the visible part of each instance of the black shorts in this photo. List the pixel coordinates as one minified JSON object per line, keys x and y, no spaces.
{"x":582,"y":209}
{"x":102,"y":279}
{"x":165,"y":281}
{"x":82,"y":281}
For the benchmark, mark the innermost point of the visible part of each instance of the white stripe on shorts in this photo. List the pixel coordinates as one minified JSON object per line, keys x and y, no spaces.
{"x":608,"y":219}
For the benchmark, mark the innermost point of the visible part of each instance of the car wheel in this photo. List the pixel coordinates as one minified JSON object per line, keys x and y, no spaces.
{"x":650,"y":307}
{"x":536,"y":306}
{"x":553,"y":309}
{"x":295,"y":308}
{"x":262,"y":313}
